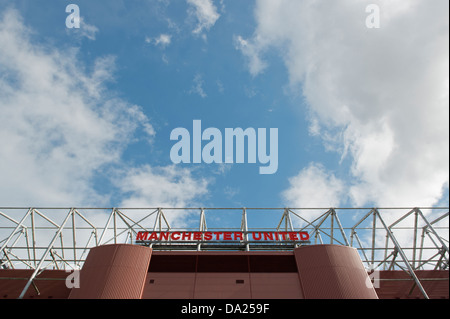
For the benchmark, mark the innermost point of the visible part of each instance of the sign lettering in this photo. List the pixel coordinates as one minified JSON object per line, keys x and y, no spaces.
{"x":145,"y":236}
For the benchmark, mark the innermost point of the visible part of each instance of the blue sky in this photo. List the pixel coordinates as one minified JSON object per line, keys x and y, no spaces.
{"x":86,"y":114}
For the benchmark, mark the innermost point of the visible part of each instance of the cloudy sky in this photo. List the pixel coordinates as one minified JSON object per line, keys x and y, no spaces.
{"x":362,"y":113}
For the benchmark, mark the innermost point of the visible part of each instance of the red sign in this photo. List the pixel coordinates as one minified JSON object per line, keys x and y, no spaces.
{"x":221,"y":236}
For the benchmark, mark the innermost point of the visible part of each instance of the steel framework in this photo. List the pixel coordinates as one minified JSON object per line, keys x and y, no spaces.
{"x":409,"y":239}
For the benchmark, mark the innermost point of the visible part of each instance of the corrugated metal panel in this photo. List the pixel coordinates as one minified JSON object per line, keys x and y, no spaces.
{"x":222,"y":286}
{"x":336,"y":267}
{"x":169,"y":285}
{"x":114,"y":272}
{"x":95,"y":272}
{"x":332,"y":272}
{"x":398,"y":284}
{"x":275,"y":286}
{"x":50,"y":284}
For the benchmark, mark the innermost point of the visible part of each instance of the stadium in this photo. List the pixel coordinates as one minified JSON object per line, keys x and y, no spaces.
{"x":224,"y":253}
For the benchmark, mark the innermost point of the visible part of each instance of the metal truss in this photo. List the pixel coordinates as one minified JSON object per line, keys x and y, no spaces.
{"x":408,"y":239}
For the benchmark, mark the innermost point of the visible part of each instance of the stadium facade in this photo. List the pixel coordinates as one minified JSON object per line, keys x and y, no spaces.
{"x":357,"y":253}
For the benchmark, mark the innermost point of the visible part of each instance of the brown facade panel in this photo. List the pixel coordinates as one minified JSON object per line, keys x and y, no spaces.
{"x":113,"y":271}
{"x":275,"y":286}
{"x":222,"y":286}
{"x":332,"y":272}
{"x":169,"y":285}
{"x":398,"y":284}
{"x":222,"y":275}
{"x":308,"y":272}
{"x":50,"y":284}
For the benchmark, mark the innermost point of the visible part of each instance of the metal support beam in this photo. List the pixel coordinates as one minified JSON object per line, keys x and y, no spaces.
{"x":45,"y":255}
{"x":402,"y":254}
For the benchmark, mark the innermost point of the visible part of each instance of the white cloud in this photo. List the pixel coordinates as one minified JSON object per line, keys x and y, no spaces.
{"x":163,"y":40}
{"x":197,"y":87}
{"x":252,"y":52}
{"x":378,"y":96}
{"x":220,"y":86}
{"x":88,"y":30}
{"x":223,"y":168}
{"x":314,"y":187}
{"x":205,"y":12}
{"x":60,"y":128}
{"x":168,"y":186}
{"x":85,"y":30}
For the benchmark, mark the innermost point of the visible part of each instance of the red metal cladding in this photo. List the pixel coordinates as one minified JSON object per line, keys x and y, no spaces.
{"x":222,"y":286}
{"x":113,"y":272}
{"x":398,"y":284}
{"x":333,"y":272}
{"x":222,"y":275}
{"x":169,"y":285}
{"x":309,"y":272}
{"x":275,"y":286}
{"x":50,"y":284}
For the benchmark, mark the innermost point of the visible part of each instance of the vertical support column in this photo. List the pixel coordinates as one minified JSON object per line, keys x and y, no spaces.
{"x":244,"y":228}
{"x":202,"y":228}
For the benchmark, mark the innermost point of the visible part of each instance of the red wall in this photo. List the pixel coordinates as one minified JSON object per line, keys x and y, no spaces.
{"x":222,"y":286}
{"x":113,"y":272}
{"x":50,"y":284}
{"x":308,"y":272}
